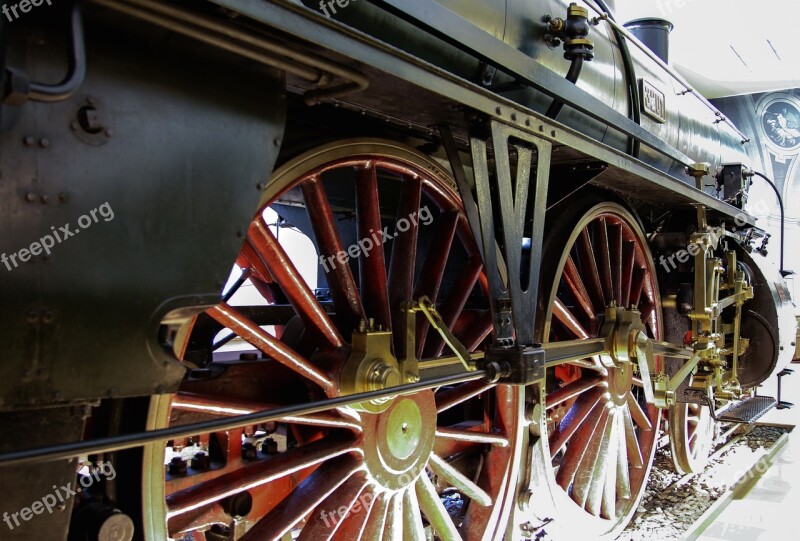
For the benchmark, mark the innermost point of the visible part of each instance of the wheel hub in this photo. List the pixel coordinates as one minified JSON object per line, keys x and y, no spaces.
{"x":620,"y":380}
{"x":371,"y":366}
{"x":399,"y":441}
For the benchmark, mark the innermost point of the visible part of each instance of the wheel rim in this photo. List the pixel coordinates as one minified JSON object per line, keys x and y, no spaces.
{"x":601,"y":433}
{"x":346,"y":474}
{"x":691,"y":437}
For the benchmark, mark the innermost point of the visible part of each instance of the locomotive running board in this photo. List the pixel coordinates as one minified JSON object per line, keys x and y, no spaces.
{"x":748,"y":411}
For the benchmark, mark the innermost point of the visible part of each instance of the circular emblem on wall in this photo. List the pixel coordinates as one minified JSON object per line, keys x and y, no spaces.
{"x":780,"y":122}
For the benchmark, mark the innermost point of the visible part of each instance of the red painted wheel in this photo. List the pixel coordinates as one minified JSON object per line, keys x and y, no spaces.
{"x":601,"y":433}
{"x":439,"y":464}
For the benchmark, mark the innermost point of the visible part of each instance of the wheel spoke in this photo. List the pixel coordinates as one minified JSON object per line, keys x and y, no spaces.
{"x":413,"y":530}
{"x":326,"y":518}
{"x":572,"y":390}
{"x":401,"y":267}
{"x":623,"y":474}
{"x":615,"y":258}
{"x":588,"y":265}
{"x":609,"y":500}
{"x":272,"y":347}
{"x":352,"y":526}
{"x":638,"y":414}
{"x":562,"y":314}
{"x":478,"y":331}
{"x":341,"y":283}
{"x":449,"y":398}
{"x":284,"y":271}
{"x":374,"y":285}
{"x":250,"y":260}
{"x":430,"y":278}
{"x":454,"y":305}
{"x":229,"y":407}
{"x":637,"y":286}
{"x":304,"y":499}
{"x":576,"y":285}
{"x":574,"y":419}
{"x":603,"y":250}
{"x":257,"y":474}
{"x":376,"y":521}
{"x":592,"y":457}
{"x":459,"y":481}
{"x":628,"y":262}
{"x":434,"y":510}
{"x":601,"y":468}
{"x":393,"y":531}
{"x":632,"y":442}
{"x":472,"y":436}
{"x":579,"y":447}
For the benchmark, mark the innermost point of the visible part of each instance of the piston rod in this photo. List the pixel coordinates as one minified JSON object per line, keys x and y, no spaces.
{"x":139,"y":439}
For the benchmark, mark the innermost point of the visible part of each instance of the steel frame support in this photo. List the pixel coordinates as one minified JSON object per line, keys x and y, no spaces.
{"x":521,"y":198}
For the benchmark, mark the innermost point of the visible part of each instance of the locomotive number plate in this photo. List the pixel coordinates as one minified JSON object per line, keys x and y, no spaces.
{"x":654,"y":102}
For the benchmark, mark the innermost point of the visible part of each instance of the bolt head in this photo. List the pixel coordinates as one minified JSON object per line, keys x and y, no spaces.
{"x":201,"y":461}
{"x":177,"y":466}
{"x":249,"y":451}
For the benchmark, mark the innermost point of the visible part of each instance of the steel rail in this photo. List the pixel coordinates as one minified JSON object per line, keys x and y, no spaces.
{"x":139,"y":439}
{"x":688,"y":89}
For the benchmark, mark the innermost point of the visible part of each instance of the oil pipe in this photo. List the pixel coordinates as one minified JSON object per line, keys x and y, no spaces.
{"x":578,"y":48}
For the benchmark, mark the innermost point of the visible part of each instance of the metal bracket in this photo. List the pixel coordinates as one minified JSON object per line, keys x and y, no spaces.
{"x":522,"y":204}
{"x":519,"y":365}
{"x":428,"y":309}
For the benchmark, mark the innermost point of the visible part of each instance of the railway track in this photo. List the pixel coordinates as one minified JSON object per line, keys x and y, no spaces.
{"x":673,"y":504}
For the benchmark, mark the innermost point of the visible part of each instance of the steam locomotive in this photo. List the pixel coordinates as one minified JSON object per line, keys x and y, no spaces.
{"x":364,"y":269}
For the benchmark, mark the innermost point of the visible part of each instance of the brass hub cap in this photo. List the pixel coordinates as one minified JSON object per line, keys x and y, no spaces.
{"x":399,"y":441}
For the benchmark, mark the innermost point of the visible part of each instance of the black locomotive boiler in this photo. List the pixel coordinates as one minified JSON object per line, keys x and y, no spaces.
{"x":363,"y":269}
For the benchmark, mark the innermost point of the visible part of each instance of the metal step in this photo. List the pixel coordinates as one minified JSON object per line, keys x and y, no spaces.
{"x":748,"y":411}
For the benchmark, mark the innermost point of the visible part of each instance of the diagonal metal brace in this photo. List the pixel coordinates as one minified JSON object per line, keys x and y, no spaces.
{"x":522,"y":205}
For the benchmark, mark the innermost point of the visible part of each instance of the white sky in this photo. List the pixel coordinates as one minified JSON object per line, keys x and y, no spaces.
{"x":710,"y":36}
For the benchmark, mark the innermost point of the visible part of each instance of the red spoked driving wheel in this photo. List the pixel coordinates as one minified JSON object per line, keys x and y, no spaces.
{"x":346,"y":236}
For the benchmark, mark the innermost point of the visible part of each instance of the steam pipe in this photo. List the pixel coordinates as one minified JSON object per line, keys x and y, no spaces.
{"x":573,"y":75}
{"x":634,"y":113}
{"x":77,"y":66}
{"x":780,"y":203}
